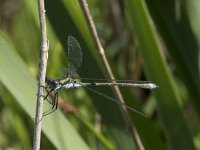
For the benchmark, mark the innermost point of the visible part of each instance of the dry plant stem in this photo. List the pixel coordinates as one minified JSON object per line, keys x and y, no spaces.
{"x":42,"y":73}
{"x":115,"y":89}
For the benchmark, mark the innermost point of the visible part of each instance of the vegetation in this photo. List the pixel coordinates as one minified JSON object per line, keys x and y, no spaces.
{"x":144,"y":40}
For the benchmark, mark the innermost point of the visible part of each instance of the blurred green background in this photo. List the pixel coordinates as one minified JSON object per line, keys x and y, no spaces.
{"x":143,"y":40}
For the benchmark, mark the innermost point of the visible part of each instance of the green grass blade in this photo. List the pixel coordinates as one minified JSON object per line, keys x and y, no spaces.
{"x":179,"y":29}
{"x":158,"y":71}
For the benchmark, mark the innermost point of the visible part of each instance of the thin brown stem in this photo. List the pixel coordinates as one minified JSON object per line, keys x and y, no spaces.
{"x":42,"y":73}
{"x":115,"y":89}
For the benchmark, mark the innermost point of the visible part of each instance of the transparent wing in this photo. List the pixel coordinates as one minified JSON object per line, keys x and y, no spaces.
{"x":74,"y":53}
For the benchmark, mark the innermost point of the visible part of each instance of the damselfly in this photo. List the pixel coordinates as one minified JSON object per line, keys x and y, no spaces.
{"x":71,"y":80}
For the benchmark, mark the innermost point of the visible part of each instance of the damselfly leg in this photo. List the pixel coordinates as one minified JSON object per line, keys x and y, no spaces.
{"x":54,"y":105}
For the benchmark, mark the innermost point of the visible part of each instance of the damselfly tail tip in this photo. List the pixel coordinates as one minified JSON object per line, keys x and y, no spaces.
{"x":153,"y":86}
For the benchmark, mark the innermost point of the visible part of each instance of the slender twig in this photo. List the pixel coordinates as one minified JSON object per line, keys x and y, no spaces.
{"x":115,"y":89}
{"x":42,"y":73}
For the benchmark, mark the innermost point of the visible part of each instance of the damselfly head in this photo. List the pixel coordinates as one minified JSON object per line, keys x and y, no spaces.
{"x":52,"y":84}
{"x":48,"y":82}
